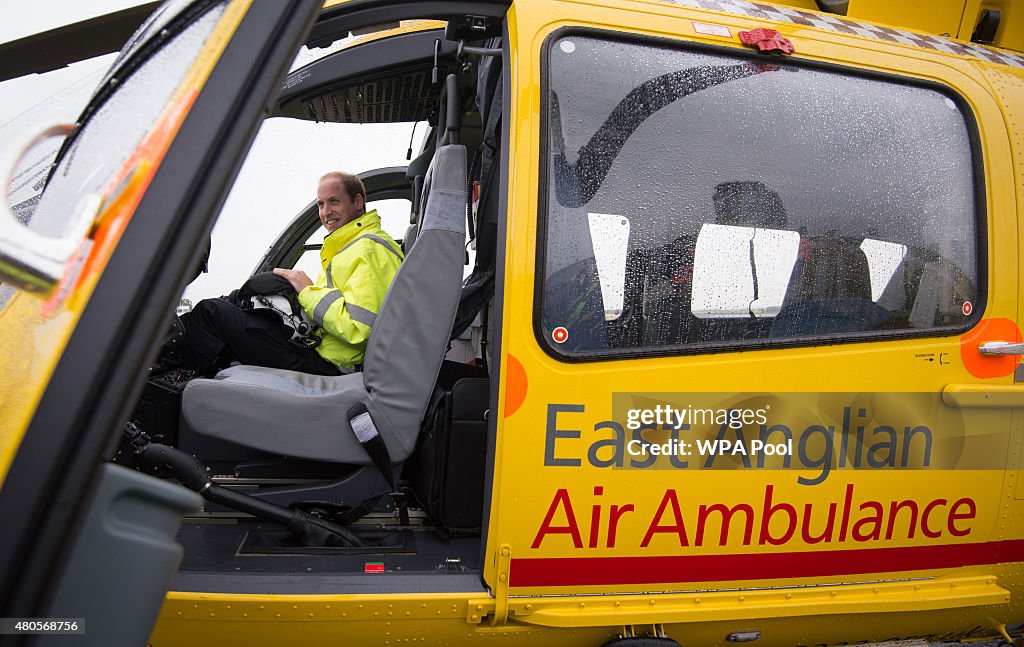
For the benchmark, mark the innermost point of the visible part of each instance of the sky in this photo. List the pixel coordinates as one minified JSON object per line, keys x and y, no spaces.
{"x":277,"y":179}
{"x":20,"y":19}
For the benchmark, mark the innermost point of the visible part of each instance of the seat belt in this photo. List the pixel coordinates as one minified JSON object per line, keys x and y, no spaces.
{"x":368,"y":436}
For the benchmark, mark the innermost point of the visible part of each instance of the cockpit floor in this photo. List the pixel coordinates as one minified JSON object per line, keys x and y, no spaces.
{"x":250,"y":556}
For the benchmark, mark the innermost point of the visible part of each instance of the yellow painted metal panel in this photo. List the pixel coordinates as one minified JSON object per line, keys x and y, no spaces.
{"x":1010,"y":33}
{"x":793,"y":616}
{"x":971,"y":395}
{"x":930,"y":16}
{"x":882,"y":597}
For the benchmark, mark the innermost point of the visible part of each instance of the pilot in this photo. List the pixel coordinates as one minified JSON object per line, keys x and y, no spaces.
{"x":359,"y":261}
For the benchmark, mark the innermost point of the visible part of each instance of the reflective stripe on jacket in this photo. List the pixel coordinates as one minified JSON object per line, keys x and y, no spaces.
{"x":359,"y":260}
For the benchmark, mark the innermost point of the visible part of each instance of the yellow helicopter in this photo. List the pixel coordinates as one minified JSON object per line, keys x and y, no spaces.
{"x":736,"y":358}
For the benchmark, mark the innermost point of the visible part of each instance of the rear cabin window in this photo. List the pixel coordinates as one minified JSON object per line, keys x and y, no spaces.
{"x":695,"y":200}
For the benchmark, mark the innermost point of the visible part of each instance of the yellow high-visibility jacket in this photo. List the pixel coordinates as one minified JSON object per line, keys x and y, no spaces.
{"x":359,"y":261}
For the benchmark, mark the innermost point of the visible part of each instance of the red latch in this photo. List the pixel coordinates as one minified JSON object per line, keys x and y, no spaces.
{"x":767,"y":40}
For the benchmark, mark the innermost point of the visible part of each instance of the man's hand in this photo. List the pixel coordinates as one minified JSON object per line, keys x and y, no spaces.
{"x":297,"y":278}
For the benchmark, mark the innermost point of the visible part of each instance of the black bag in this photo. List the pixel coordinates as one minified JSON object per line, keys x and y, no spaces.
{"x":273,"y":294}
{"x":450,"y":462}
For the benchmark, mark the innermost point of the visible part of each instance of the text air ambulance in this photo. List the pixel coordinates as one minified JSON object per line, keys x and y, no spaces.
{"x":736,"y":360}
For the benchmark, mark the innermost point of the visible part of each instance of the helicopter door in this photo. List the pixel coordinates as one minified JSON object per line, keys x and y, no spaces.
{"x":87,"y":283}
{"x":749,"y":315}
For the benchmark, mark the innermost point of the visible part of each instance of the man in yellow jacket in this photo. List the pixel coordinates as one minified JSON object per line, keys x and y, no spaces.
{"x":359,"y":261}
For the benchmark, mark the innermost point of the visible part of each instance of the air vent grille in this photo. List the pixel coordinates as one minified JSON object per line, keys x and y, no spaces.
{"x":408,"y":97}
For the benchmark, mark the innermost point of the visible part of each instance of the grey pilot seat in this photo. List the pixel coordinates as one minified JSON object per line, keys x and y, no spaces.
{"x":336,"y":419}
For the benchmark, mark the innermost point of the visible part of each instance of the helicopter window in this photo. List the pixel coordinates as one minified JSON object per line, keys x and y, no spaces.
{"x":763,"y":203}
{"x":93,"y":156}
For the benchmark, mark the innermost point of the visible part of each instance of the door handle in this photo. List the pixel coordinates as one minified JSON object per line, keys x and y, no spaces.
{"x":1001,"y":348}
{"x":30,"y":260}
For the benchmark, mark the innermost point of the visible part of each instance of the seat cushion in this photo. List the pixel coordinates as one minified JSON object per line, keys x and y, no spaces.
{"x":285,"y":412}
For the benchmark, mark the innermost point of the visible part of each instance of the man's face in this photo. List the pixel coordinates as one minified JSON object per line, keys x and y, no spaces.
{"x":337,"y":208}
